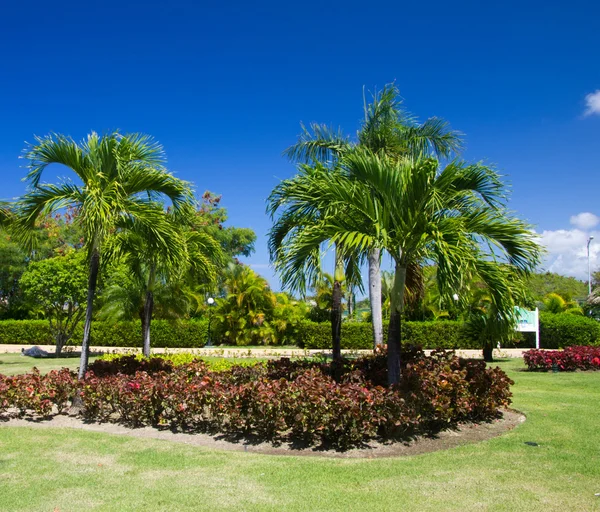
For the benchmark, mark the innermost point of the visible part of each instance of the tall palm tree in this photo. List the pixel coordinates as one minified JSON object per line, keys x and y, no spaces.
{"x":295,"y":221}
{"x":387,"y":128}
{"x":417,"y":211}
{"x":120,"y":179}
{"x":158,"y":265}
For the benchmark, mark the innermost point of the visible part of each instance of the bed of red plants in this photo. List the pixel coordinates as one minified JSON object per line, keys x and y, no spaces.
{"x":300,"y":402}
{"x":567,"y":360}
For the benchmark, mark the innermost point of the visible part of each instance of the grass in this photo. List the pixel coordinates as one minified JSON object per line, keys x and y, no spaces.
{"x":72,"y":470}
{"x":11,"y":364}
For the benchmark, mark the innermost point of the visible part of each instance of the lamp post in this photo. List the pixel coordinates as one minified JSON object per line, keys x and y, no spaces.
{"x":210,"y":302}
{"x":589,"y":268}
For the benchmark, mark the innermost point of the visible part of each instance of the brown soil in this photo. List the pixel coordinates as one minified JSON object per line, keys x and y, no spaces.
{"x":464,"y":434}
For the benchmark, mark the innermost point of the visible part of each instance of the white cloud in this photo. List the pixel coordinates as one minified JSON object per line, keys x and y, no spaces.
{"x":592,"y":103}
{"x":585,"y":220}
{"x":567,"y":252}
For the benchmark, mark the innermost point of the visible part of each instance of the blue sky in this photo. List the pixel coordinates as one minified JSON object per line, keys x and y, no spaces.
{"x":224,"y":87}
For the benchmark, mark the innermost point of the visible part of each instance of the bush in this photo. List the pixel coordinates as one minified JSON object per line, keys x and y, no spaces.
{"x":564,"y":330}
{"x":293,"y":401}
{"x":164,"y":334}
{"x":567,"y":360}
{"x":359,"y":335}
{"x":556,"y":331}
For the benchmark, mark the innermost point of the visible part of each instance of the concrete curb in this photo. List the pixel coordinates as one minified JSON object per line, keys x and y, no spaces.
{"x":252,"y":352}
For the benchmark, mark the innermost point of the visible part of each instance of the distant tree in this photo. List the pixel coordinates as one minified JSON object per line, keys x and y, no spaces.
{"x":243,"y":316}
{"x":569,"y":288}
{"x":58,"y":287}
{"x":554,"y":303}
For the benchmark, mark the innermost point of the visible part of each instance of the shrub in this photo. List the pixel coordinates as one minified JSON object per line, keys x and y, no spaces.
{"x":567,"y":360}
{"x":563,"y":330}
{"x":294,"y":401}
{"x":165,"y":334}
{"x":359,"y":335}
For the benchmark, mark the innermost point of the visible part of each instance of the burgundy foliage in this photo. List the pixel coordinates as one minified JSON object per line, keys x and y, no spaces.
{"x":567,"y":360}
{"x":302,"y":402}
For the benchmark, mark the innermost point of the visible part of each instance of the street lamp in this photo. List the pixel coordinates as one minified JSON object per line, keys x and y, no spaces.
{"x":589,"y":269}
{"x":210,"y":302}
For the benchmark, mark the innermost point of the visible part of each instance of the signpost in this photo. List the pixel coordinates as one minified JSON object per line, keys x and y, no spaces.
{"x":529,"y":321}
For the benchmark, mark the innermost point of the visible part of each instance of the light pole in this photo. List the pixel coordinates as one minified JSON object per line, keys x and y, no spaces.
{"x":210,"y":302}
{"x":589,"y":268}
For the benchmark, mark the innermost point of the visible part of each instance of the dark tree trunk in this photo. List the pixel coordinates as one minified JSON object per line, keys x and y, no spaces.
{"x":92,"y":281}
{"x":394,"y":343}
{"x":336,"y":320}
{"x":148,"y":306}
{"x":488,"y":352}
{"x":60,"y":343}
{"x":375,"y":296}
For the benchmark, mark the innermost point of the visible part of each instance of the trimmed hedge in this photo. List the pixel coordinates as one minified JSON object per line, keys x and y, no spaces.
{"x":564,"y":330}
{"x":358,"y":335}
{"x":164,"y":334}
{"x":556,"y":331}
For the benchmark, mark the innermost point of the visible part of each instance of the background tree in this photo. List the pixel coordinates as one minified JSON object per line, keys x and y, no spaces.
{"x":569,"y":288}
{"x":122,"y":177}
{"x":243,"y":316}
{"x":58,"y":287}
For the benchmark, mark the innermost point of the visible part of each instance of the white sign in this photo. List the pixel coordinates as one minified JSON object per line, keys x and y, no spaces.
{"x":529,"y":321}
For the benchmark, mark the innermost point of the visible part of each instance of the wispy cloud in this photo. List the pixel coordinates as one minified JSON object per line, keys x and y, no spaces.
{"x":585,"y":220}
{"x":592,"y":103}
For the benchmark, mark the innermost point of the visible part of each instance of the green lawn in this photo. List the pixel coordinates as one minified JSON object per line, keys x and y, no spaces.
{"x":11,"y":364}
{"x":71,"y":470}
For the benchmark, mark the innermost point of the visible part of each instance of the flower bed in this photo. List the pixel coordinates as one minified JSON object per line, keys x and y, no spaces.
{"x":567,"y":360}
{"x":337,"y":406}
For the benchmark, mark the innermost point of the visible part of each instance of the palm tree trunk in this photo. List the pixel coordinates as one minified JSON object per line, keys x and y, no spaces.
{"x":148,"y":307}
{"x":336,"y":308}
{"x":394,"y":342}
{"x":375,"y":295}
{"x":488,"y":352}
{"x":92,"y":281}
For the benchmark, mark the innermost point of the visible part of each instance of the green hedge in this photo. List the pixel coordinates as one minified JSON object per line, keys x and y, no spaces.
{"x":565,"y":330}
{"x":164,"y":334}
{"x":556,"y":331}
{"x":358,"y":335}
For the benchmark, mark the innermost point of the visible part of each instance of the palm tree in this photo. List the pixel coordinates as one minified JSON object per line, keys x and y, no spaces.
{"x":243,"y":316}
{"x":5,"y":214}
{"x":295,"y":222}
{"x":161,"y":266}
{"x":417,"y":211}
{"x":390,"y":130}
{"x":121,"y":178}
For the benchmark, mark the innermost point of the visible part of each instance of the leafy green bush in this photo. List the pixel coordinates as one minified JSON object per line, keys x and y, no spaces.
{"x":560,"y":330}
{"x":165,"y":334}
{"x":359,"y":335}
